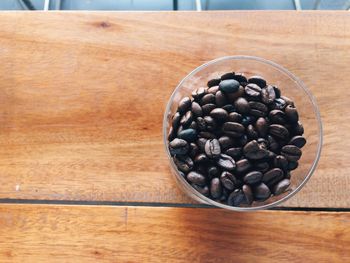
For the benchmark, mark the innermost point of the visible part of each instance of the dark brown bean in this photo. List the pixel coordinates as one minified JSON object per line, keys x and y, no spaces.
{"x":261,"y":126}
{"x":212,"y":148}
{"x":242,"y":105}
{"x":184,"y":105}
{"x":215,"y":188}
{"x":281,"y":187}
{"x":213,"y":171}
{"x":268,"y":94}
{"x":226,"y":162}
{"x":252,"y":90}
{"x":193,"y":125}
{"x":248,"y":194}
{"x":207,"y":108}
{"x":193,"y":150}
{"x":178,"y":146}
{"x":219,"y":114}
{"x":261,"y":166}
{"x":258,"y":80}
{"x":235,"y":152}
{"x":243,"y":166}
{"x":196,"y":178}
{"x":199,"y":93}
{"x":196,"y":109}
{"x":234,"y":117}
{"x":292,"y":165}
{"x":233,"y":96}
{"x":252,"y":177}
{"x":201,"y":144}
{"x":298,"y":141}
{"x":253,"y":150}
{"x":236,"y":198}
{"x":207,"y":99}
{"x":298,"y":129}
{"x":228,"y":180}
{"x":210,"y":123}
{"x":203,"y":190}
{"x":189,"y":135}
{"x":272,"y":176}
{"x":251,"y":132}
{"x":240,"y":78}
{"x":261,"y":192}
{"x":281,"y":162}
{"x":229,"y":108}
{"x":279,"y":131}
{"x":213,"y":82}
{"x":291,"y":152}
{"x":186,"y":120}
{"x":200,"y":158}
{"x":225,"y":142}
{"x":288,"y":100}
{"x":213,"y":89}
{"x":258,"y":109}
{"x":229,"y":75}
{"x":233,"y":129}
{"x":273,"y":145}
{"x":292,"y":114}
{"x":220,"y":99}
{"x":183,"y":163}
{"x":277,"y":117}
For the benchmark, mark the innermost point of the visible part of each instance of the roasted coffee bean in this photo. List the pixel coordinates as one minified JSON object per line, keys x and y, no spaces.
{"x":291,"y":152}
{"x":229,"y":86}
{"x":254,"y":151}
{"x":277,"y":91}
{"x":201,"y":168}
{"x":213,"y":82}
{"x":258,"y":109}
{"x":236,"y":198}
{"x":213,"y":171}
{"x":193,"y":150}
{"x":193,"y":125}
{"x":288,"y":100}
{"x":251,"y":132}
{"x":272,"y":155}
{"x":215,"y":188}
{"x":234,"y":117}
{"x":203,"y":190}
{"x":281,"y":162}
{"x":184,"y":105}
{"x":253,"y":177}
{"x":279,"y":131}
{"x":281,"y":187}
{"x":242,"y":105}
{"x":226,"y":162}
{"x":219,"y":114}
{"x":298,"y":141}
{"x":298,"y":129}
{"x":180,"y":129}
{"x":220,"y":99}
{"x":200,"y":158}
{"x":292,"y":114}
{"x":189,"y":135}
{"x":248,"y":194}
{"x":241,"y":78}
{"x":272,"y":176}
{"x":210,"y":123}
{"x":196,"y":109}
{"x":258,"y":81}
{"x":262,"y":166}
{"x":186,"y":120}
{"x":243,"y":140}
{"x":268,"y":94}
{"x":252,"y":90}
{"x":212,"y":148}
{"x":207,"y":99}
{"x":233,"y":129}
{"x":228,"y":180}
{"x":213,"y":89}
{"x":235,"y":152}
{"x":225,"y":142}
{"x":229,"y":75}
{"x":261,"y":126}
{"x":277,"y":117}
{"x":207,"y":135}
{"x":243,"y":165}
{"x":273,"y":145}
{"x":229,"y":108}
{"x":183,"y":163}
{"x":201,"y":144}
{"x":171,"y":134}
{"x":178,"y":146}
{"x":198,"y":93}
{"x":196,"y":178}
{"x":263,"y":143}
{"x":207,"y":108}
{"x":176,"y":120}
{"x":278,"y":104}
{"x":246,"y":120}
{"x":201,"y":124}
{"x":292,"y":165}
{"x":261,"y":192}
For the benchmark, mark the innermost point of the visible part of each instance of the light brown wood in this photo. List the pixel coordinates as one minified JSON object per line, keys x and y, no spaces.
{"x":82,"y":96}
{"x":32,"y":233}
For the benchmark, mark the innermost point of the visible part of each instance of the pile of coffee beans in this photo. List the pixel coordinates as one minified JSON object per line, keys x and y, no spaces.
{"x":236,"y":140}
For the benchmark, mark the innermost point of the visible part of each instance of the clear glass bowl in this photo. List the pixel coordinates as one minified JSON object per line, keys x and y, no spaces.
{"x":290,"y":86}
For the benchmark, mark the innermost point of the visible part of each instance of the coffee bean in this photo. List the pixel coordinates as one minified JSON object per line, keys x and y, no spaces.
{"x":288,"y":100}
{"x":213,"y":171}
{"x":171,"y":134}
{"x":279,"y":131}
{"x":235,"y":152}
{"x":229,"y":86}
{"x":258,"y":81}
{"x":229,"y":108}
{"x":272,"y":176}
{"x":298,"y":141}
{"x":291,"y":152}
{"x":176,"y":120}
{"x":273,"y":145}
{"x":189,"y":135}
{"x":251,"y":132}
{"x":212,"y":148}
{"x":252,"y":177}
{"x":203,"y":190}
{"x":220,"y":99}
{"x":281,"y":162}
{"x":292,"y":165}
{"x":278,"y":104}
{"x":272,"y":155}
{"x":193,"y":151}
{"x":252,"y":90}
{"x":277,"y":91}
{"x":243,"y":165}
{"x":298,"y":129}
{"x":277,"y":117}
{"x":196,"y":109}
{"x":207,"y":135}
{"x":281,"y":187}
{"x":199,"y":93}
{"x":207,"y":108}
{"x":193,"y":125}
{"x":292,"y":114}
{"x":178,"y":146}
{"x":261,"y":192}
{"x":236,"y":198}
{"x":248,"y":194}
{"x":225,"y":142}
{"x":242,"y":105}
{"x":268,"y":94}
{"x":262,"y":166}
{"x":243,"y":140}
{"x":184,"y":105}
{"x":226,"y":162}
{"x":180,"y":129}
{"x":261,"y":126}
{"x":258,"y":109}
{"x":229,"y":75}
{"x":210,"y":123}
{"x":201,"y":124}
{"x":201,"y":144}
{"x":228,"y":180}
{"x":215,"y":188}
{"x":233,"y":96}
{"x":200,"y":158}
{"x":213,"y":82}
{"x":219,"y":114}
{"x":213,"y":90}
{"x":246,"y":120}
{"x":196,"y":178}
{"x":186,"y":120}
{"x":241,"y":78}
{"x":183,"y":163}
{"x":233,"y":129}
{"x":254,"y":151}
{"x":234,"y":117}
{"x":207,"y":99}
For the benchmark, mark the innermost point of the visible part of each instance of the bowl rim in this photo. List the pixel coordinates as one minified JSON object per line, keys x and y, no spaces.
{"x":207,"y":200}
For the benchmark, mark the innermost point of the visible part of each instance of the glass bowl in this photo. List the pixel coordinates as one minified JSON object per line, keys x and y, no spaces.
{"x":289,"y":85}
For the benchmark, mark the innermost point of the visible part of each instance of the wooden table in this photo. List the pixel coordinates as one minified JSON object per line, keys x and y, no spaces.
{"x":83,"y":173}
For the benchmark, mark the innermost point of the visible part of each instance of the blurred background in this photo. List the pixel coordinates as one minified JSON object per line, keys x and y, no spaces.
{"x":163,"y":5}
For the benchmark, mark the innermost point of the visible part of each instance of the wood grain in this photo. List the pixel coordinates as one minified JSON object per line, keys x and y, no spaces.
{"x":32,"y":233}
{"x":82,"y":96}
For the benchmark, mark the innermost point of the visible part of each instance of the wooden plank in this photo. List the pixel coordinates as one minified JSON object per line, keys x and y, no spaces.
{"x":42,"y":233}
{"x":82,"y":96}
